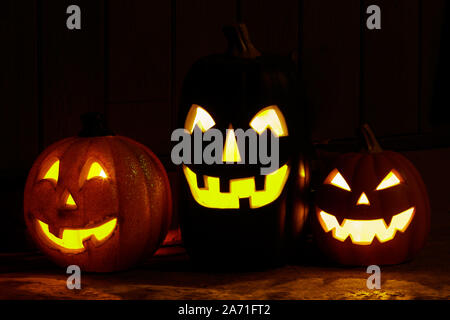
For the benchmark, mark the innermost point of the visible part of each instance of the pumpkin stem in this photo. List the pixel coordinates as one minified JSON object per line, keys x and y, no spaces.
{"x":239,"y":43}
{"x":94,"y":125}
{"x":372,"y":144}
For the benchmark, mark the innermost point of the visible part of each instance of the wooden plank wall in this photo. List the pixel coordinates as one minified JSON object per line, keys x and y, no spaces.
{"x":139,"y":65}
{"x":130,"y":57}
{"x":389,"y":86}
{"x":19,"y":113}
{"x":330,"y":66}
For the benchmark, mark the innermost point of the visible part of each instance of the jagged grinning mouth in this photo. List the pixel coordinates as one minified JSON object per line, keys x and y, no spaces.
{"x":211,"y":197}
{"x":363,"y":232}
{"x":71,"y":240}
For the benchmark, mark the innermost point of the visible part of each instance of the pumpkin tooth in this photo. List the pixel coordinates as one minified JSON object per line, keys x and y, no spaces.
{"x":89,"y":243}
{"x":56,"y":231}
{"x":387,"y":221}
{"x":200,"y":181}
{"x":244,"y":203}
{"x":260,"y":182}
{"x":224,"y":185}
{"x":340,"y":219}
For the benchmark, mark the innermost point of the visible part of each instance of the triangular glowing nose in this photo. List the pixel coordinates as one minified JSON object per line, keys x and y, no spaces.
{"x":70,"y":203}
{"x":363,"y":200}
{"x":231,"y":149}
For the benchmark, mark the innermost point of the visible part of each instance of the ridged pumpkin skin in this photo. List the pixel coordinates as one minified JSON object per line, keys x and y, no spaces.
{"x":136,"y":192}
{"x":363,"y":172}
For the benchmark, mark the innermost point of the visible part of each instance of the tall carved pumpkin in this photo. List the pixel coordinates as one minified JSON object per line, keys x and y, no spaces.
{"x":372,"y":208}
{"x":99,"y":201}
{"x":231,"y":215}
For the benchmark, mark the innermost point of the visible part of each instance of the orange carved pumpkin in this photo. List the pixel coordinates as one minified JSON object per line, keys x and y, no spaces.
{"x":99,"y":201}
{"x":372,"y":208}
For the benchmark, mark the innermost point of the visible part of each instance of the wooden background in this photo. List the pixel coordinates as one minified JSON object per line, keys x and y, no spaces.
{"x":130,"y":57}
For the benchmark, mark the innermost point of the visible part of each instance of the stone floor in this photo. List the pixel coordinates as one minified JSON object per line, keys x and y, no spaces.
{"x":170,"y":275}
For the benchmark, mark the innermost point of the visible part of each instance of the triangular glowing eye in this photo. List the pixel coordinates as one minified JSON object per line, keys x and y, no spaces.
{"x":337,"y":180}
{"x":197,"y":116}
{"x":270,"y":117}
{"x":96,"y":170}
{"x":53,"y":172}
{"x":389,"y":181}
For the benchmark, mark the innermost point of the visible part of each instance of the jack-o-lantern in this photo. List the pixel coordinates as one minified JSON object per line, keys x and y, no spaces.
{"x":99,"y":201}
{"x":231,"y":214}
{"x":372,"y":208}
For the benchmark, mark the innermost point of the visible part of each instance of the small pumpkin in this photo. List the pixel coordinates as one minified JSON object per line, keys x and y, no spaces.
{"x":99,"y":201}
{"x":372,"y":208}
{"x":245,"y":220}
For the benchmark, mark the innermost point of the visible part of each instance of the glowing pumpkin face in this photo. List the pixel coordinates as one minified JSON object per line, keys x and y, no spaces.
{"x":231,"y":213}
{"x":372,"y":208}
{"x":210,"y":192}
{"x":102,"y":203}
{"x":70,"y":240}
{"x":364,"y":231}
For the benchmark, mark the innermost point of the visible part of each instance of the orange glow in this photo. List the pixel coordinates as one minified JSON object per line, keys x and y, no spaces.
{"x":53,"y":172}
{"x":200,"y":117}
{"x":211,"y":197}
{"x":96,"y":170}
{"x":301,"y":170}
{"x":71,"y":240}
{"x":363,"y":199}
{"x":337,"y":180}
{"x":231,"y":149}
{"x":389,"y":181}
{"x":270,"y":117}
{"x":362,"y":232}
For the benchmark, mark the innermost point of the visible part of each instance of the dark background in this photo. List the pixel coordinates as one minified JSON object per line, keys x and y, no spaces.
{"x":130,"y":57}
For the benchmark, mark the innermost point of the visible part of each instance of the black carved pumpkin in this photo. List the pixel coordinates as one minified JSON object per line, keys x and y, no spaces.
{"x":231,"y":215}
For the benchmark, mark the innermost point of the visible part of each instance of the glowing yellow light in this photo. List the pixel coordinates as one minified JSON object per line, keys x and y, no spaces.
{"x":200,"y":117}
{"x":362,"y":232}
{"x":211,"y":197}
{"x":53,"y":172}
{"x":231,"y":149}
{"x":337,"y":180}
{"x":389,"y":181}
{"x":270,"y":117}
{"x":72,"y":239}
{"x":70,"y":202}
{"x":363,"y":199}
{"x":301,"y":170}
{"x":96,"y":170}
